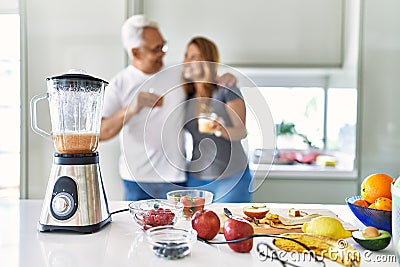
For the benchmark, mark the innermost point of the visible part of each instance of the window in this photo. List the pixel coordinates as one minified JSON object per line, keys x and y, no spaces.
{"x":323,"y":121}
{"x":10,"y":106}
{"x":342,"y":116}
{"x":304,"y":107}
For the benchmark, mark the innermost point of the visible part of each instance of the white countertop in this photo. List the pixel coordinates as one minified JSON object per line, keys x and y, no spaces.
{"x":121,"y":243}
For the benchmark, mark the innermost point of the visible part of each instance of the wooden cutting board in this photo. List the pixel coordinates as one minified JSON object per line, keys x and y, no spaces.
{"x":267,"y":229}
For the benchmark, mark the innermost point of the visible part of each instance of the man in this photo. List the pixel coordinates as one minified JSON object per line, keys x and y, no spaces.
{"x":129,"y":110}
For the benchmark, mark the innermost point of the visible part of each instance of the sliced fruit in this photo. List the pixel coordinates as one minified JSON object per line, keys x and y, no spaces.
{"x":298,"y":220}
{"x":372,"y":243}
{"x":370,"y":231}
{"x":296,"y":213}
{"x":257,"y":211}
{"x":258,"y":205}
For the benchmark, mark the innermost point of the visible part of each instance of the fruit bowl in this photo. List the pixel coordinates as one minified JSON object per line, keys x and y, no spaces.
{"x":170,"y":242}
{"x":155,"y":212}
{"x":192,"y":200}
{"x":380,"y":219}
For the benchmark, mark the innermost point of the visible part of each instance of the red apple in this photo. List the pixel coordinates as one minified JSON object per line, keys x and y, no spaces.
{"x":235,"y":228}
{"x":206,"y":223}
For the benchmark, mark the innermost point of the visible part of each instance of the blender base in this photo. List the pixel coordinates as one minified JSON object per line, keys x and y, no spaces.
{"x":75,"y":198}
{"x":85,"y":229}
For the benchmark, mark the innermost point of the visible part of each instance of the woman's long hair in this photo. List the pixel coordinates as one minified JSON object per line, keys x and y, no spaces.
{"x":209,"y":53}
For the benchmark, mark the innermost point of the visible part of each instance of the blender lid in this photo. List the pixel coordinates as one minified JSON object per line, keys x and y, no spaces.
{"x":77,"y":74}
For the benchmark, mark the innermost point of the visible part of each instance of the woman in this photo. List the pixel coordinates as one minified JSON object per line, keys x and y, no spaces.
{"x":219,"y":163}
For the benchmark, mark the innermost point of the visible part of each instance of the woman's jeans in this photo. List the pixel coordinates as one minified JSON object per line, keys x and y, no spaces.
{"x":233,"y":189}
{"x":138,"y":191}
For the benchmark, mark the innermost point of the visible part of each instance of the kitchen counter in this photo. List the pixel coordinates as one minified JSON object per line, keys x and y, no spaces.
{"x":121,"y":242}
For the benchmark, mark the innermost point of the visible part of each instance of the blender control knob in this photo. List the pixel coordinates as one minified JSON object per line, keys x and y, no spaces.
{"x":62,"y":204}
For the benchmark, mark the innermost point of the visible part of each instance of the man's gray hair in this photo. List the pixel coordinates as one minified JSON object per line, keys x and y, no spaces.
{"x":132,"y":29}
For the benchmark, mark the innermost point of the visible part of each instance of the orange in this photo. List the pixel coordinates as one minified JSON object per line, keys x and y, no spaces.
{"x":361,"y":202}
{"x":376,"y":185}
{"x":372,"y":206}
{"x":383,"y":203}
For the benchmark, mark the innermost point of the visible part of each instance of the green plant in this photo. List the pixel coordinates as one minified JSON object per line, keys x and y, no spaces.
{"x":290,"y":129}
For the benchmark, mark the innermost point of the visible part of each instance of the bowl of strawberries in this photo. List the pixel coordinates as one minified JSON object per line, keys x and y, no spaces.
{"x":155,"y":212}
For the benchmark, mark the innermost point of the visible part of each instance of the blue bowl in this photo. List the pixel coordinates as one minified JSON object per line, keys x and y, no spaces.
{"x":380,"y":219}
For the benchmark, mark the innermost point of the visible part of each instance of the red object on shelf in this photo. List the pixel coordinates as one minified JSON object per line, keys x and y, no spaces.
{"x":305,"y":157}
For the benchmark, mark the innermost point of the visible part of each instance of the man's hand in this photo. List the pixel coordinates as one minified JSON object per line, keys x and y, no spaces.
{"x":227,"y":80}
{"x":142,"y":100}
{"x":111,"y":125}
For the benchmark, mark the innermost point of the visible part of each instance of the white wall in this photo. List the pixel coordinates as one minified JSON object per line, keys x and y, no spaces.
{"x":61,"y":35}
{"x":260,"y":33}
{"x":9,"y":7}
{"x":380,"y":88}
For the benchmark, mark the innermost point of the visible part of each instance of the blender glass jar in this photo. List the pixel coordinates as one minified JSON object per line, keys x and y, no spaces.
{"x":76,"y":103}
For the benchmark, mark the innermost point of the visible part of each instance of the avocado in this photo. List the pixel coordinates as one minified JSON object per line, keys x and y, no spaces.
{"x":372,"y":243}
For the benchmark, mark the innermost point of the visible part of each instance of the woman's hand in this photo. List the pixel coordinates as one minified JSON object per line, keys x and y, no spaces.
{"x":217,"y":126}
{"x":237,"y":114}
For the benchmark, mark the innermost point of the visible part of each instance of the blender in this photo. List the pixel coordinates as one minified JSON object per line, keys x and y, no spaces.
{"x":75,"y":198}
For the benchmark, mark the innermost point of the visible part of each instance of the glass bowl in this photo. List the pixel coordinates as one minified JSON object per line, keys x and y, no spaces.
{"x":155,"y":212}
{"x":192,"y":200}
{"x":170,"y":242}
{"x":381,"y":219}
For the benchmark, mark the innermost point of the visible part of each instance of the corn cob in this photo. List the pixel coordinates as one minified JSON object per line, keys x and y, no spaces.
{"x":335,"y":249}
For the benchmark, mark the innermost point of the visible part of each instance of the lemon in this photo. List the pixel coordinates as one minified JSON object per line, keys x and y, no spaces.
{"x":326,"y":226}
